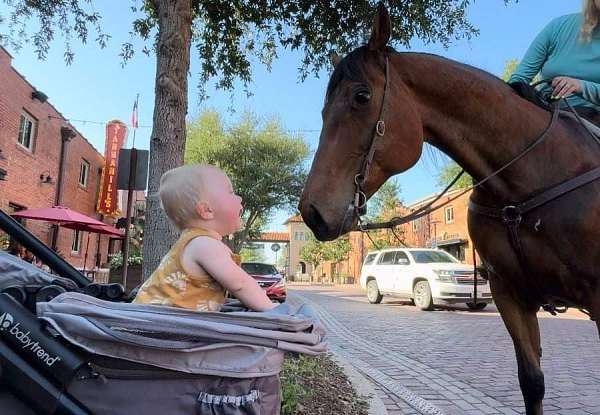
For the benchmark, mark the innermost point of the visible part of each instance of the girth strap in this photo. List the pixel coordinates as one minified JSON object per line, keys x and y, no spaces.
{"x":513,"y":213}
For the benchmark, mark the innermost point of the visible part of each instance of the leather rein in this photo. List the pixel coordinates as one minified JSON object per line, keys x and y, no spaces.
{"x":510,"y":214}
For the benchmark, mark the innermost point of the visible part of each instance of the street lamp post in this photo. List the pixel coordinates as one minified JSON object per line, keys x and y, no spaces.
{"x":435,"y":222}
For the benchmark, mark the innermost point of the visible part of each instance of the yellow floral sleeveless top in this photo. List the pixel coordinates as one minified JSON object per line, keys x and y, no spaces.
{"x":170,"y":285}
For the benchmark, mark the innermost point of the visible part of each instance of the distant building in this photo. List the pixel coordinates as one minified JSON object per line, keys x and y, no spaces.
{"x":299,"y":235}
{"x":446,"y":228}
{"x":45,"y":161}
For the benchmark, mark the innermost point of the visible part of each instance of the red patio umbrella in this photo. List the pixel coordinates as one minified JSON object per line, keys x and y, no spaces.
{"x":61,"y":214}
{"x":68,"y":218}
{"x":104,"y":229}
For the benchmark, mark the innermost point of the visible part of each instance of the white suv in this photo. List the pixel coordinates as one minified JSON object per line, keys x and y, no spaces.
{"x":427,"y":276}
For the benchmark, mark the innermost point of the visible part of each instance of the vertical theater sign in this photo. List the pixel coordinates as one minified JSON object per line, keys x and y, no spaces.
{"x":107,"y":199}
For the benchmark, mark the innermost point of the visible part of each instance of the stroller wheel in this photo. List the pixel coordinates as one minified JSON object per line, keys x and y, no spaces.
{"x":48,"y":292}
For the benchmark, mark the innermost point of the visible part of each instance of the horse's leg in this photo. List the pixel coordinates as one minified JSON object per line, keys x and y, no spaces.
{"x":522,"y":324}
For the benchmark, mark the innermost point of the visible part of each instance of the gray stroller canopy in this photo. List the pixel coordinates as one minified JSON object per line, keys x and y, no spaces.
{"x":235,"y":344}
{"x":16,"y":272}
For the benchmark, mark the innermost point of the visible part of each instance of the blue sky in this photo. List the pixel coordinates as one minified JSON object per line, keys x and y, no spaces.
{"x":96,"y":88}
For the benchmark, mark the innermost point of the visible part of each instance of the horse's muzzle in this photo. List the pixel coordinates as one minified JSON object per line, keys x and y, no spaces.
{"x":317,"y":224}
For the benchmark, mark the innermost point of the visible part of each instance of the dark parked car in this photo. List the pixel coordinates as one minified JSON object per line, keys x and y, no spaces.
{"x":268,"y":278}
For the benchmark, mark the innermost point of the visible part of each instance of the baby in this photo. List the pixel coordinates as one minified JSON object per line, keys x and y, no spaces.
{"x":199,"y":268}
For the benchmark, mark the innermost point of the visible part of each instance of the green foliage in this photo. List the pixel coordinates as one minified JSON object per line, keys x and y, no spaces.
{"x":385,"y":204}
{"x":509,"y":67}
{"x":385,"y":201}
{"x":4,"y":241}
{"x":252,"y":255}
{"x":315,"y":252}
{"x":449,"y":172}
{"x":230,"y":35}
{"x":292,"y":389}
{"x":115,"y":261}
{"x":264,"y":162}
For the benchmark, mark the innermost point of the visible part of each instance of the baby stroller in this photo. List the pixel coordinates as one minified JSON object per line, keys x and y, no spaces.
{"x":71,"y":347}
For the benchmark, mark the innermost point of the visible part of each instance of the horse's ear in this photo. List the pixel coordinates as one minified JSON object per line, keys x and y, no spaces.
{"x":382,"y":29}
{"x":334,"y":58}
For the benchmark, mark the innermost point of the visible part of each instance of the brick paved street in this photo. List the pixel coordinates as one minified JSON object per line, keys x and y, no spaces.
{"x":452,"y":361}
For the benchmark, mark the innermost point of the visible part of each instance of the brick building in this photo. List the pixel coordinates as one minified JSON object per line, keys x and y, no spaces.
{"x":445,"y":228}
{"x":35,"y":141}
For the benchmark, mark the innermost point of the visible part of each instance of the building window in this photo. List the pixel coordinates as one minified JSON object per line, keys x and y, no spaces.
{"x":84,"y":172}
{"x":449,"y":214}
{"x":76,"y":241}
{"x":415,"y":225}
{"x":295,"y":236}
{"x":26,"y":131}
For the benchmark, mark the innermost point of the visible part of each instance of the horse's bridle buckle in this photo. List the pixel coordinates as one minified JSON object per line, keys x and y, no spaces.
{"x":380,"y":128}
{"x":511,"y":214}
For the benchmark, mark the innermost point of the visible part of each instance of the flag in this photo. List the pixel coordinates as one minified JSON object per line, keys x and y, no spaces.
{"x":134,"y":118}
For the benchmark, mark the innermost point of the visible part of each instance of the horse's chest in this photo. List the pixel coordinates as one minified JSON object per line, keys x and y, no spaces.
{"x":539,"y":264}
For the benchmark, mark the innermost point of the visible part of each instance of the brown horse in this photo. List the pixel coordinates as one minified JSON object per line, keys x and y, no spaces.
{"x":481,"y":123}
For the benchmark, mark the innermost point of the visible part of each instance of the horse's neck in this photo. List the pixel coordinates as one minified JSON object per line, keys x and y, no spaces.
{"x":482,"y":125}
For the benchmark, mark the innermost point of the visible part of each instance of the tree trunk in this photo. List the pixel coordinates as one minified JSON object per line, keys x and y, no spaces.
{"x":167,"y":142}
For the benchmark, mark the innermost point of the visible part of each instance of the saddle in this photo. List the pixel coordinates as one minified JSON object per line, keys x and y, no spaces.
{"x":533,"y":95}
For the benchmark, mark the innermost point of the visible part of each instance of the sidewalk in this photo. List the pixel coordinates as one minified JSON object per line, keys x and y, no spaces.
{"x":452,"y":361}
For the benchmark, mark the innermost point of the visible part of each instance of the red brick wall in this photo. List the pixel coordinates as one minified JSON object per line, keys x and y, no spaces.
{"x":23,"y":185}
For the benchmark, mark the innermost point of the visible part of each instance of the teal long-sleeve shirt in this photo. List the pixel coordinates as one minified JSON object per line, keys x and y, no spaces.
{"x":558,"y":51}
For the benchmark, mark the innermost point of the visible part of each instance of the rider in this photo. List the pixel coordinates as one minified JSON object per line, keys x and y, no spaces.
{"x":567,"y":51}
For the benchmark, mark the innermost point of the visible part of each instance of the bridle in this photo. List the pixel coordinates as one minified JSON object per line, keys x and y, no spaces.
{"x":511,"y":215}
{"x":358,"y":206}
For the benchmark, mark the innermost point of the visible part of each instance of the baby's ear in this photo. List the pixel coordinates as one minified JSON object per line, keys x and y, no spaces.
{"x":204,"y":210}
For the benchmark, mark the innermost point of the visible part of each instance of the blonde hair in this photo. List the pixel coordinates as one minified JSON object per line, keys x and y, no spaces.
{"x":590,"y":16}
{"x":180,"y":191}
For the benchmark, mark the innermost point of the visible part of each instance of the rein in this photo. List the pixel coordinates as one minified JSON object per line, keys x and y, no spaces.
{"x":358,"y":205}
{"x":511,"y":215}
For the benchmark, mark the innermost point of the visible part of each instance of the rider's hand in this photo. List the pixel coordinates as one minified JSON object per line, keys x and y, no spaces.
{"x":564,"y":86}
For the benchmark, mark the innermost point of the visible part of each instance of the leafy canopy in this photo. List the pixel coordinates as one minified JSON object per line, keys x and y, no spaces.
{"x":229,"y":36}
{"x":264,"y":162}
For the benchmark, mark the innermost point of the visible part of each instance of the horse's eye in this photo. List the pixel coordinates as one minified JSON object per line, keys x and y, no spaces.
{"x":362,"y":97}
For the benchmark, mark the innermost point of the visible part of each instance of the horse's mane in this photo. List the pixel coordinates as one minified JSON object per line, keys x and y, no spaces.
{"x":352,"y":68}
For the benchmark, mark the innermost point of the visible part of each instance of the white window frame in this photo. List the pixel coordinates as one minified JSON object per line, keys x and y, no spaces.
{"x":449,"y":214}
{"x":84,"y":170}
{"x":76,"y":244}
{"x":21,"y":135}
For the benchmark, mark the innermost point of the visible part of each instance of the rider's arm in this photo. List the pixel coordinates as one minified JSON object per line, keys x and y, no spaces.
{"x":590,"y":91}
{"x":536,"y":55}
{"x":215,"y":258}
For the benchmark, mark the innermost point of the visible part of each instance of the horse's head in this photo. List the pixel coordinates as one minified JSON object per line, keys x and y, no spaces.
{"x":352,"y":108}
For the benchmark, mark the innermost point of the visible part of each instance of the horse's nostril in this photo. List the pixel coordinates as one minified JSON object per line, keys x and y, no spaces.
{"x":315,"y":221}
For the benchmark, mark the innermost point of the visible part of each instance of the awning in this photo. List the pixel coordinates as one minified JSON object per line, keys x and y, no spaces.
{"x":454,"y":241}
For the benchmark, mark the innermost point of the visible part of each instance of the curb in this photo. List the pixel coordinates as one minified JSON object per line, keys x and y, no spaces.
{"x":363,"y":386}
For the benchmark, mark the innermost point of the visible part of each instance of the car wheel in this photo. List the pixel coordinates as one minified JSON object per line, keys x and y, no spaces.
{"x":373,"y":294}
{"x":422,"y":296}
{"x":476,"y":306}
